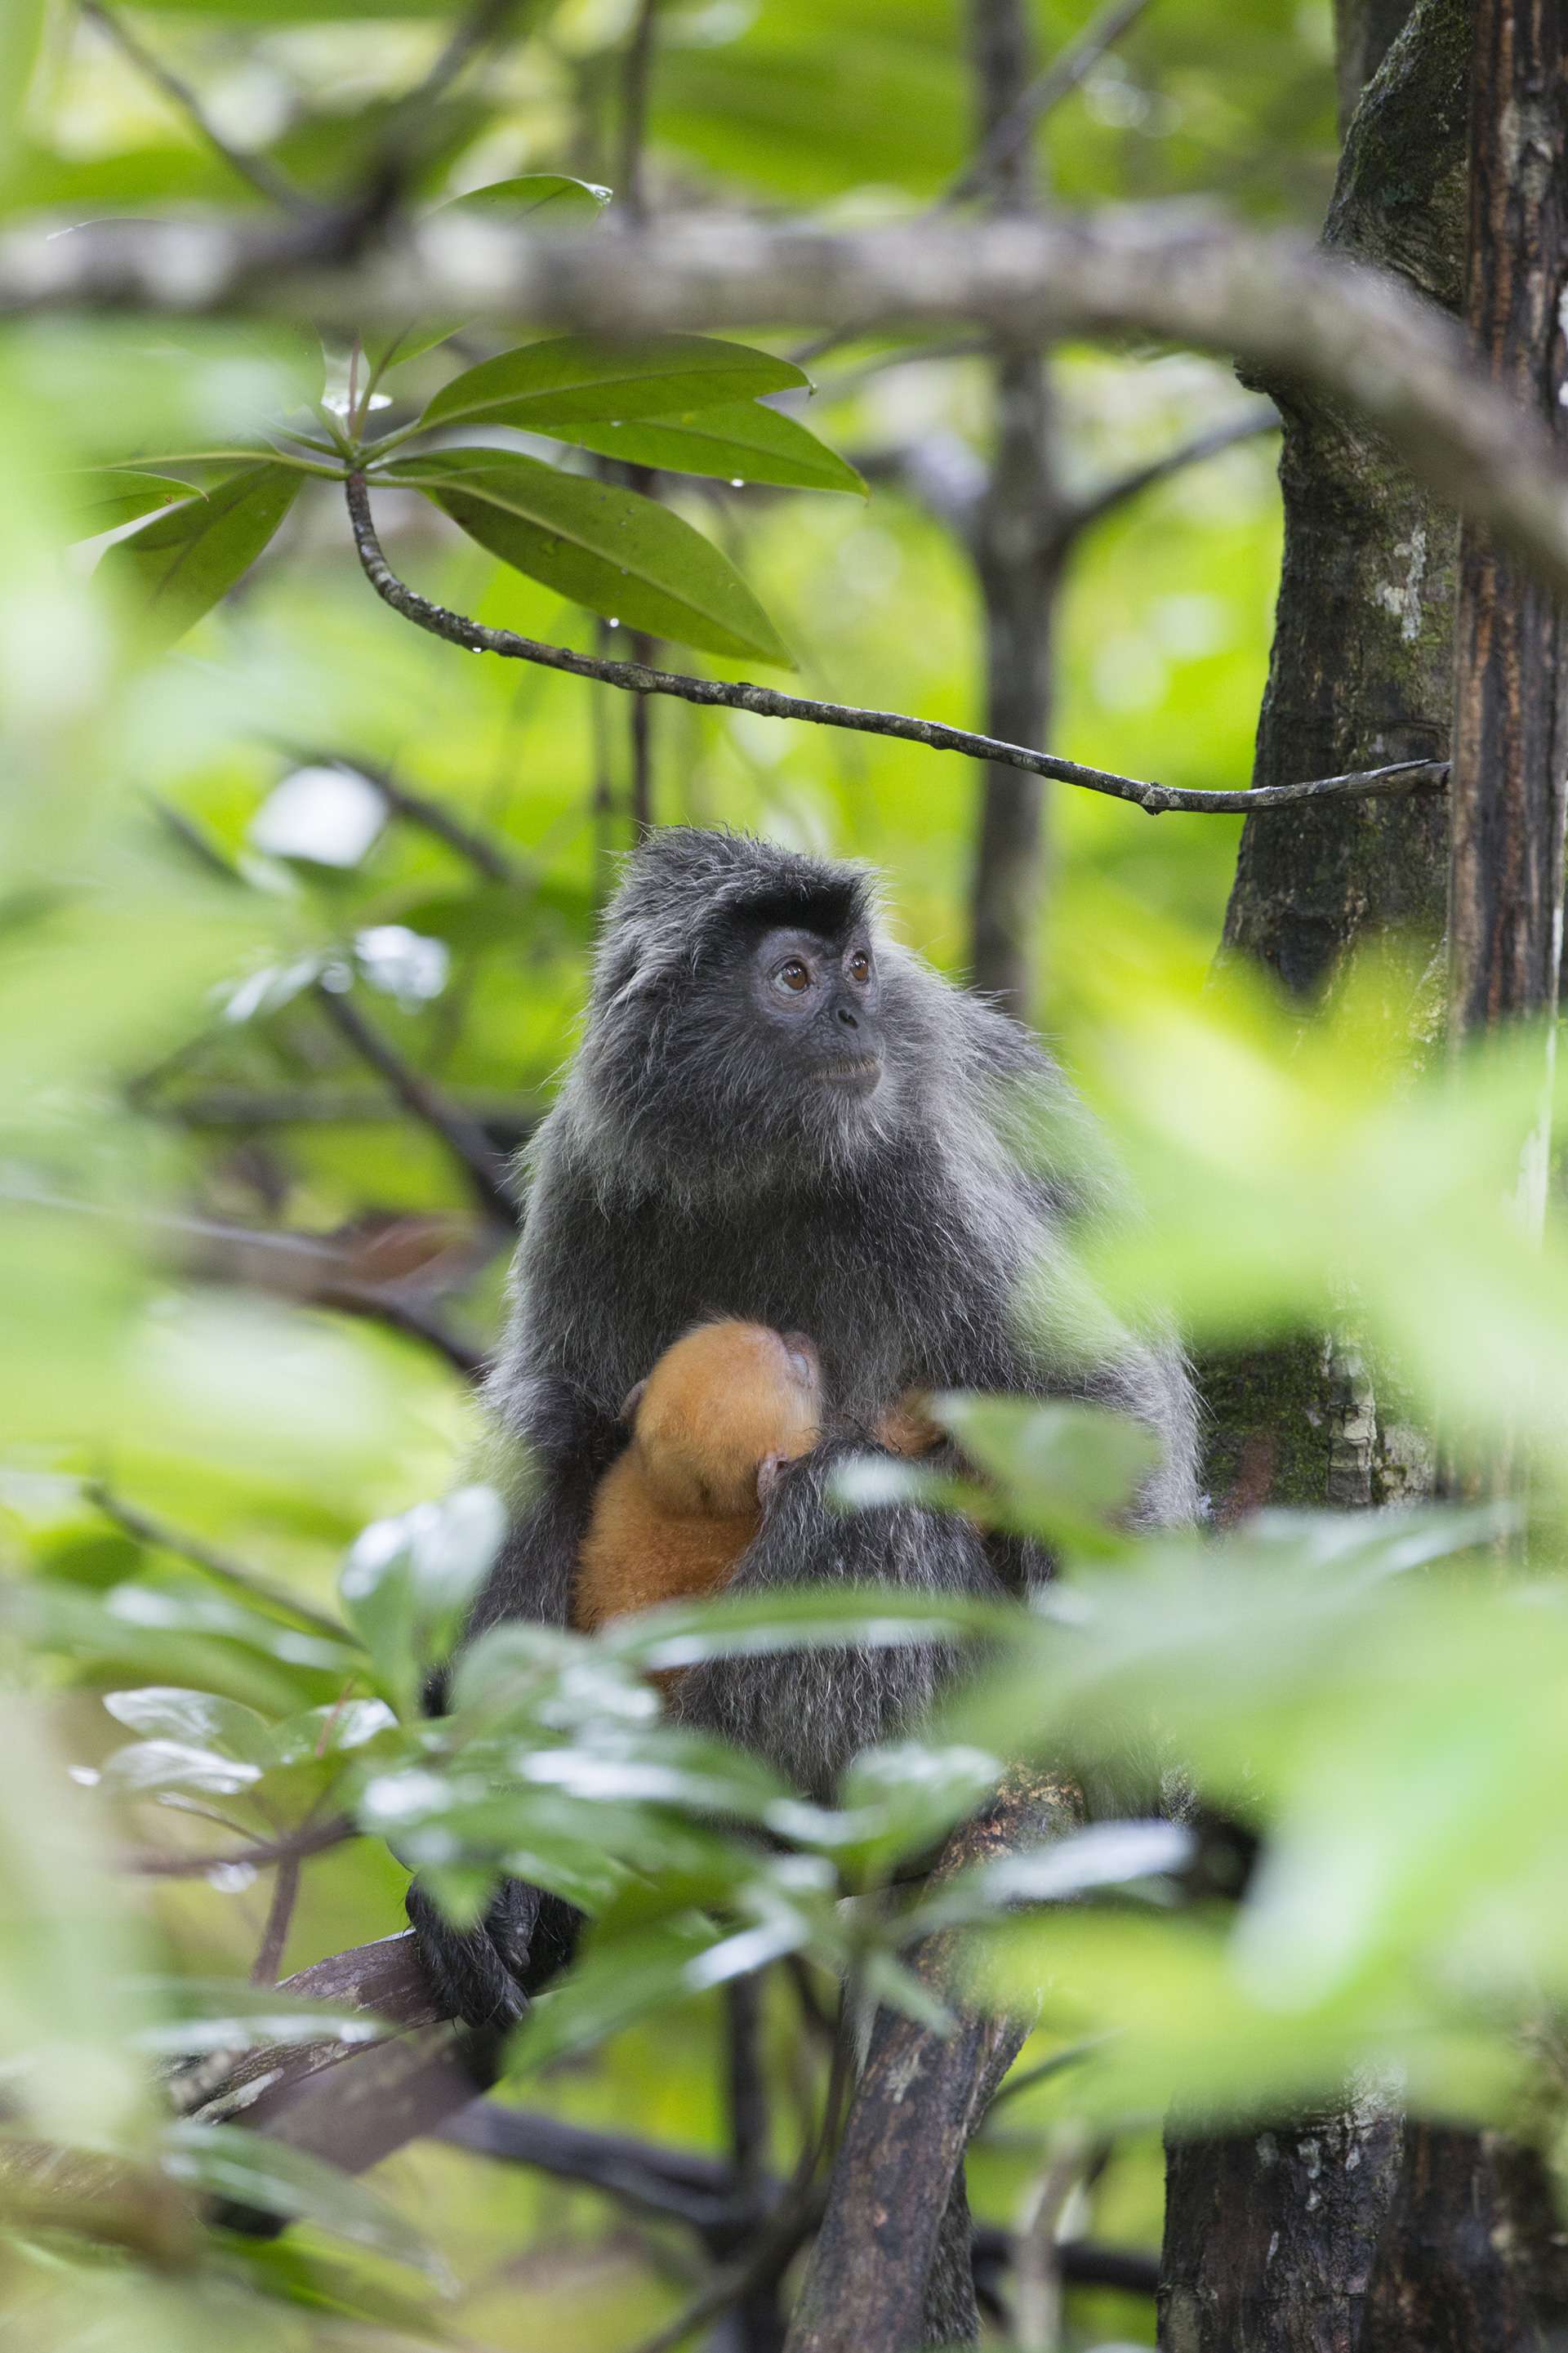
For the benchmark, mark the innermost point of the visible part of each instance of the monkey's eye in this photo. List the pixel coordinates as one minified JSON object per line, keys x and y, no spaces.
{"x":793,"y":977}
{"x":860,"y":966}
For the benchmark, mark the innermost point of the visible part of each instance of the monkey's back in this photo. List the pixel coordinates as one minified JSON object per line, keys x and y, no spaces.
{"x":637,"y":1553}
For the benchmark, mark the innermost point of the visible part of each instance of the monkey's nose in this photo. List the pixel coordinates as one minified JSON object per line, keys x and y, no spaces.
{"x":847,"y":1017}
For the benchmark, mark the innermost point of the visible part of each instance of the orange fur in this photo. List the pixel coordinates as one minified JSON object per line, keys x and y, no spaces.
{"x":674,"y":1514}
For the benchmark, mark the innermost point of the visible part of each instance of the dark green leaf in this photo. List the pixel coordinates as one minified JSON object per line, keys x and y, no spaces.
{"x":621,"y":555}
{"x":178,"y":567}
{"x":744,"y":442}
{"x":575,"y":380}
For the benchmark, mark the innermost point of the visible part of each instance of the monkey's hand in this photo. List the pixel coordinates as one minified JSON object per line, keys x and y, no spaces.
{"x":483,"y":1976}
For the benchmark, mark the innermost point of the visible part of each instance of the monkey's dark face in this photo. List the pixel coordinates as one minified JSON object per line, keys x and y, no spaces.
{"x":819,"y":1001}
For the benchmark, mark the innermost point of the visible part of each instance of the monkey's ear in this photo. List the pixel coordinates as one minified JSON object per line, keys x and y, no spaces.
{"x":630,"y":1403}
{"x":770,"y":1471}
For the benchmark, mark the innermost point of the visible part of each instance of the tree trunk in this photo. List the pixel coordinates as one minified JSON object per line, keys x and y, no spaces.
{"x":1506,"y":793}
{"x":1367,"y":2232}
{"x":1015,"y":559}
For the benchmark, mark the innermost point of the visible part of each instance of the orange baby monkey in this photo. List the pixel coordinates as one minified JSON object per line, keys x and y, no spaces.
{"x":713,"y":1425}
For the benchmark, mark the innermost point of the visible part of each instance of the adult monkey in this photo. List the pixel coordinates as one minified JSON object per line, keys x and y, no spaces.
{"x":778,"y":1113}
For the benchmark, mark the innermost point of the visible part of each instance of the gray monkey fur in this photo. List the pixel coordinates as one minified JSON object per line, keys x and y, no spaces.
{"x":677,"y":1177}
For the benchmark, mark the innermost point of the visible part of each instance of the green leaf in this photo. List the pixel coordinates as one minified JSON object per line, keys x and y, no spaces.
{"x":543,"y":199}
{"x":107,"y":496}
{"x":408,"y":1582}
{"x":742,"y":442}
{"x":553,"y":194}
{"x":196,"y":1718}
{"x":225,"y":2162}
{"x":621,"y":555}
{"x":178,"y":567}
{"x":176,"y":1765}
{"x":576,"y":380}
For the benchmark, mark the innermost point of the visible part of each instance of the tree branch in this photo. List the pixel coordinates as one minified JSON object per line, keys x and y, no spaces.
{"x":1096,"y":505}
{"x":259,"y":171}
{"x":248,"y":1583}
{"x":899,"y":2167}
{"x":1070,"y":67}
{"x":1284,"y":307}
{"x":466,"y":1143}
{"x":290,"y":1846}
{"x":766,"y":702}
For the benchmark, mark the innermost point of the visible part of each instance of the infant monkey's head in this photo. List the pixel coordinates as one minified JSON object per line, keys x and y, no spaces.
{"x":720,"y":1414}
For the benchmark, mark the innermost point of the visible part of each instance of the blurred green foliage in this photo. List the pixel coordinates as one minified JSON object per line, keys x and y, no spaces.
{"x":206,"y":1188}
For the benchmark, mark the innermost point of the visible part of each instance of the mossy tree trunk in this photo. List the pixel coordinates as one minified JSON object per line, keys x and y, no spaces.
{"x":1361,"y":2231}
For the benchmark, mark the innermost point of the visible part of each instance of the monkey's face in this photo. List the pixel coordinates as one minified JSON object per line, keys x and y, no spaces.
{"x":819,"y":1004}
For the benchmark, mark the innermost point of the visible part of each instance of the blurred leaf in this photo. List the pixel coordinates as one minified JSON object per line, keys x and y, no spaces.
{"x":407,"y":1583}
{"x":110,"y":496}
{"x":573,"y":380}
{"x":177,"y":568}
{"x":174,"y":1765}
{"x":161,"y":1711}
{"x":742,"y":442}
{"x":682,"y":1634}
{"x":1106,"y":1854}
{"x":247,"y":2170}
{"x":205,"y":2014}
{"x":620,"y":554}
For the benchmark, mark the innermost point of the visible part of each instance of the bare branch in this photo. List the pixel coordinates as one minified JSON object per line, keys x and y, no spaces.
{"x":481,"y":851}
{"x":919,"y":2100}
{"x":248,"y":1583}
{"x":290,"y":1846}
{"x":508,"y":1120}
{"x":262,"y":173}
{"x":1067,"y":69}
{"x":766,"y":702}
{"x":466,"y":1143}
{"x":1096,"y":505}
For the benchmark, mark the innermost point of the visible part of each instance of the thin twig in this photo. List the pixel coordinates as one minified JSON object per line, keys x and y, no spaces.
{"x":144,"y":1529}
{"x":1036,"y":2272}
{"x":290,"y":1846}
{"x":262,"y":174}
{"x":1067,"y":69}
{"x":765,"y":702}
{"x":636,"y":82}
{"x":279,"y":1920}
{"x":1096,"y":505}
{"x":302,"y":1268}
{"x":466,"y":1142}
{"x":1001,"y":145}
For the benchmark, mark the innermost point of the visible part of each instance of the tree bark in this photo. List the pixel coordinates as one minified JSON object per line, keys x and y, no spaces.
{"x":1271,"y":2238}
{"x":1507,"y":787}
{"x":1015,"y":553}
{"x":890,"y":2270}
{"x":1368,"y":2231}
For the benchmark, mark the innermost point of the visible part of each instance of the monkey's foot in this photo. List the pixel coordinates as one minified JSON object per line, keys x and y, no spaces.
{"x":483,"y":1976}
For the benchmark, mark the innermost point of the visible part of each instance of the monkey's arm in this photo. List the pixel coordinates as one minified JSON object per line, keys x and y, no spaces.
{"x":809,"y":1710}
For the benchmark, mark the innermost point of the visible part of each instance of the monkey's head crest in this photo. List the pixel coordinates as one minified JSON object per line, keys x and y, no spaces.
{"x":685,"y":889}
{"x":738,"y":1026}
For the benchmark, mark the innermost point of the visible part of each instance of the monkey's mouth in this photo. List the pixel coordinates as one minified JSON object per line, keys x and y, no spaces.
{"x":856,"y":1074}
